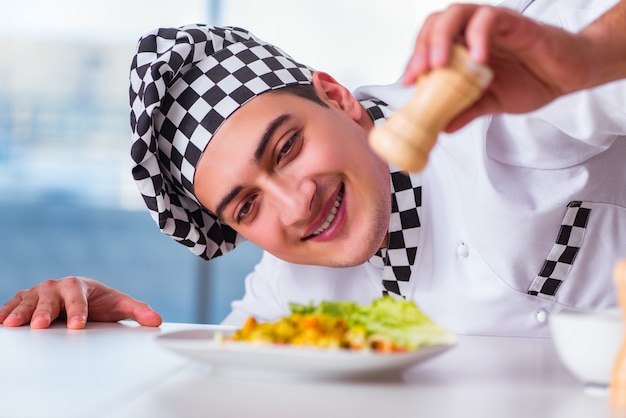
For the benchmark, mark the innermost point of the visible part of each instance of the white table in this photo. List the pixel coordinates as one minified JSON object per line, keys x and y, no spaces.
{"x":117,"y":370}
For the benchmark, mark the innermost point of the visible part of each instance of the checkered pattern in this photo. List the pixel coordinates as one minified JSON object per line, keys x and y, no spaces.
{"x":563,"y":253}
{"x":404,"y":224}
{"x":184,"y":83}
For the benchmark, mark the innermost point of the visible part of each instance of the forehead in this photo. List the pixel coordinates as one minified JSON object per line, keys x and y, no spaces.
{"x":246,"y":126}
{"x":232,"y":149}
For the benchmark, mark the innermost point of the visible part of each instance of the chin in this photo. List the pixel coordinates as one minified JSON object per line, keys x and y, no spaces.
{"x":359,"y":251}
{"x":336,"y":259}
{"x":351,"y":257}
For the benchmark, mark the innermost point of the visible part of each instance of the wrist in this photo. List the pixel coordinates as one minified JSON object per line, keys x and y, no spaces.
{"x":605,"y":39}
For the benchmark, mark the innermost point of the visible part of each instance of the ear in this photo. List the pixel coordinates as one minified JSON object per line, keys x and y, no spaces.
{"x":336,"y":95}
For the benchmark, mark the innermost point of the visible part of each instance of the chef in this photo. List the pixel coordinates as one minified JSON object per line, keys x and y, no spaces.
{"x":514,"y":216}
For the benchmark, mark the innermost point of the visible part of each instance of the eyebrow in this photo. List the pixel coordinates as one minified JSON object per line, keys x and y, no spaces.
{"x":258,"y":155}
{"x":267,"y":135}
{"x":226,"y":201}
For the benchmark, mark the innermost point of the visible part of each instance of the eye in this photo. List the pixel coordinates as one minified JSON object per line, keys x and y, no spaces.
{"x":245,"y":209}
{"x":288,"y":148}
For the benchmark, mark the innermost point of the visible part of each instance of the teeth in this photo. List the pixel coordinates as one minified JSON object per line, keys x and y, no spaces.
{"x":331,"y":215}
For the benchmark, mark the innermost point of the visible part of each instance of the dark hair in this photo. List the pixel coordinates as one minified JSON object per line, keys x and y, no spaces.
{"x":306,"y":91}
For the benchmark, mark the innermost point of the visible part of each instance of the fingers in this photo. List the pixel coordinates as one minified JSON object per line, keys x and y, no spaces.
{"x":11,"y":316}
{"x":480,"y":29}
{"x":72,"y":292}
{"x":78,"y":297}
{"x":43,"y":303}
{"x":48,"y":305}
{"x":435,"y":39}
{"x":419,"y":62}
{"x":449,"y":28}
{"x":109,"y":305}
{"x":38,"y":308}
{"x":499,"y":27}
{"x":472,"y":25}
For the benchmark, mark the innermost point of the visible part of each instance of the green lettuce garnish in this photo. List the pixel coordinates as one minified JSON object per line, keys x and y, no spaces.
{"x":397,"y":319}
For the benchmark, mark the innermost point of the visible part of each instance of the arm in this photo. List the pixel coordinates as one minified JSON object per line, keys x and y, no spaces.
{"x":533,"y":63}
{"x":80,"y":299}
{"x":608,"y":36}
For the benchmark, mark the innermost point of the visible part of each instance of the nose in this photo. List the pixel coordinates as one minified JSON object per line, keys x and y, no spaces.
{"x":291,"y":198}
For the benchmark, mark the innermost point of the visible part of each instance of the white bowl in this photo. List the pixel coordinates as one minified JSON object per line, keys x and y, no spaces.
{"x":588,"y":342}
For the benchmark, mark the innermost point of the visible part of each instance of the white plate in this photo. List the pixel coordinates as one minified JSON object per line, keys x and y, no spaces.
{"x":285,"y":360}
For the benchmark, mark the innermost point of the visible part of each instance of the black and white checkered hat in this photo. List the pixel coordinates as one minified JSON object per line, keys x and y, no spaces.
{"x":184,"y":83}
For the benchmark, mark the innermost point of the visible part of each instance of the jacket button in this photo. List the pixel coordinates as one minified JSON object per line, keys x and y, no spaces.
{"x":462,"y":250}
{"x":542,"y":315}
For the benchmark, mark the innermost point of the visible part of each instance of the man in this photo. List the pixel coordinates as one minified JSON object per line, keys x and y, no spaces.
{"x":513,"y":216}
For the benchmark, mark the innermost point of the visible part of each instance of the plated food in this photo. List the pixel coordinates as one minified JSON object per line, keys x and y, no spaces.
{"x":330,"y":340}
{"x":385,"y":325}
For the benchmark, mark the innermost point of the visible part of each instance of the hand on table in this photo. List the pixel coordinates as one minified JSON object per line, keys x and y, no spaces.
{"x":532,"y":63}
{"x":80,"y":298}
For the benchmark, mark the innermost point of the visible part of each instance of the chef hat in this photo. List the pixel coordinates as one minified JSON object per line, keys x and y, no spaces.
{"x":184,"y":83}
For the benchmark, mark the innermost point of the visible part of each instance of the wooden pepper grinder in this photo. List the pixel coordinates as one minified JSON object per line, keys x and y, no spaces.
{"x":618,"y":377}
{"x":407,"y":137}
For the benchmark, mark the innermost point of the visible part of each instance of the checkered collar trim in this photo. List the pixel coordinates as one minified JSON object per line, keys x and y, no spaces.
{"x":398,"y":257}
{"x":184,"y":83}
{"x":559,"y":262}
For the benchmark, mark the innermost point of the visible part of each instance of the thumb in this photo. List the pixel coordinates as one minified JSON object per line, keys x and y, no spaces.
{"x":109,"y":305}
{"x":145,"y":315}
{"x":463,"y":118}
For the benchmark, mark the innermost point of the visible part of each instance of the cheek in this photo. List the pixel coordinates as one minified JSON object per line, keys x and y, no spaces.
{"x":265,"y":232}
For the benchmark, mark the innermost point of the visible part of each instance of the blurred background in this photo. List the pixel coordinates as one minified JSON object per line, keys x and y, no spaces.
{"x":68,"y":205}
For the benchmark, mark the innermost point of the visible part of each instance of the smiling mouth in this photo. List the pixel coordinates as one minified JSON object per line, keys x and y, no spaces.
{"x":331,"y":215}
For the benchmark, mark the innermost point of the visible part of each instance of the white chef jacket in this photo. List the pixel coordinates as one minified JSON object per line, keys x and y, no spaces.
{"x":495,"y":198}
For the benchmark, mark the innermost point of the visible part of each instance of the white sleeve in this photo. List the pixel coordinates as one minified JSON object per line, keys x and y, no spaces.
{"x":261,"y":298}
{"x":595,"y":116}
{"x":564,"y":133}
